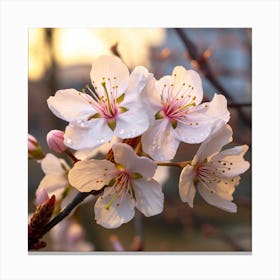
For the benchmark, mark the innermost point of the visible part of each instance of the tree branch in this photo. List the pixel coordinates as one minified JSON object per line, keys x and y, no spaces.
{"x":208,"y":73}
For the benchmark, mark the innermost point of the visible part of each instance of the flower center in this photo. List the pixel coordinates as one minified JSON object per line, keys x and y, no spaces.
{"x":213,"y":173}
{"x":120,"y":187}
{"x":176,"y":101}
{"x":106,"y":101}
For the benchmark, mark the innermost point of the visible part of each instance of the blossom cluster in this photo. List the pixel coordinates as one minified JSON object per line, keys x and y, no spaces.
{"x":140,"y":121}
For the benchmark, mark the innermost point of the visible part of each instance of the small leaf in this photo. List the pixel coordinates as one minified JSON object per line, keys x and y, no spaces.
{"x":137,"y":175}
{"x":159,"y":115}
{"x":95,"y":116}
{"x":112,"y":124}
{"x":123,"y":109}
{"x":174,"y":123}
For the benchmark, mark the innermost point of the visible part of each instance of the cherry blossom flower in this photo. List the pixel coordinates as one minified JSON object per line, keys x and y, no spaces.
{"x":55,"y":180}
{"x":113,"y":106}
{"x":215,"y":173}
{"x":178,"y":115}
{"x":128,"y":182}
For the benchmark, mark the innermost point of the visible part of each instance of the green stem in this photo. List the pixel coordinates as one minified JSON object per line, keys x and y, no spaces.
{"x":181,"y":164}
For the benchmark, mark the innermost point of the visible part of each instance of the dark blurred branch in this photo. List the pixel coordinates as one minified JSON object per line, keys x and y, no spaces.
{"x":138,"y":239}
{"x":67,"y":210}
{"x":203,"y":65}
{"x":115,"y":51}
{"x":237,"y":105}
{"x":63,"y":214}
{"x":53,"y":66}
{"x":212,"y":231}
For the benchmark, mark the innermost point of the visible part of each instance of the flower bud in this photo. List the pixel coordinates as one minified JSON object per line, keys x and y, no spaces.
{"x":34,"y":149}
{"x":41,"y":197}
{"x":55,"y":140}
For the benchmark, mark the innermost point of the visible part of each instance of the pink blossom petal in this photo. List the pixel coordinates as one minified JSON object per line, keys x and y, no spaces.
{"x":126,"y":156}
{"x":111,"y":70}
{"x":186,"y":185}
{"x":121,"y":211}
{"x":149,"y":196}
{"x":215,"y":200}
{"x":159,"y":141}
{"x":91,"y":174}
{"x":70,"y":105}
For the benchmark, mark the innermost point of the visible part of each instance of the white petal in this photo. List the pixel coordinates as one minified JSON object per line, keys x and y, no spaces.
{"x":52,"y":165}
{"x":109,"y":67}
{"x":159,"y":141}
{"x":91,"y":174}
{"x":126,"y":156}
{"x":201,"y":122}
{"x":151,"y":98}
{"x":230,"y":163}
{"x":91,"y":152}
{"x":149,"y":196}
{"x":132,"y":123}
{"x":236,"y":151}
{"x":70,"y":105}
{"x":214,"y":143}
{"x":188,"y":77}
{"x":193,"y":134}
{"x":78,"y":138}
{"x":137,"y":81}
{"x":217,"y":108}
{"x":54,"y":184}
{"x":118,"y":213}
{"x":162,"y":174}
{"x":215,"y":200}
{"x":224,"y":187}
{"x":186,"y":186}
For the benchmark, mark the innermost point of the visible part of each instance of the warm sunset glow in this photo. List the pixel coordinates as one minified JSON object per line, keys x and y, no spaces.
{"x":81,"y":46}
{"x":38,"y":56}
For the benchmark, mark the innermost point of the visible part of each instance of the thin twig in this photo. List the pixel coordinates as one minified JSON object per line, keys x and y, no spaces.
{"x":201,"y":222}
{"x":67,"y":210}
{"x":208,"y":73}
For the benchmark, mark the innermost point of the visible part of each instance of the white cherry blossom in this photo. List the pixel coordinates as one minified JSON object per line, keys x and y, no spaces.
{"x":112,"y":107}
{"x":215,"y":173}
{"x":128,"y":182}
{"x":178,"y":115}
{"x":55,"y":180}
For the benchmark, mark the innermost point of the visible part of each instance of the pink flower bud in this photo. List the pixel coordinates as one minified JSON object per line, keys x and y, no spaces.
{"x":34,"y":149}
{"x":55,"y":140}
{"x":41,"y":197}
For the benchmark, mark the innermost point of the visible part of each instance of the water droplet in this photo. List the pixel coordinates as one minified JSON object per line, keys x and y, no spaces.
{"x":121,"y":131}
{"x":82,"y":123}
{"x":101,"y":140}
{"x":68,"y":141}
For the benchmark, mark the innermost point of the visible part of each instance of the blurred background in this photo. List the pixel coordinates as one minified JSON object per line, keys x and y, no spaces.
{"x":62,"y":58}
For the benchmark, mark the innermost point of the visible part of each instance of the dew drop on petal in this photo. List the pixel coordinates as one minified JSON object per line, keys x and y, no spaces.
{"x":68,"y":141}
{"x":121,"y":131}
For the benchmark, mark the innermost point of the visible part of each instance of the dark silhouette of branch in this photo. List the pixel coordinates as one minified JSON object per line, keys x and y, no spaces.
{"x":76,"y":200}
{"x":202,"y":63}
{"x":211,"y":230}
{"x":237,"y":105}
